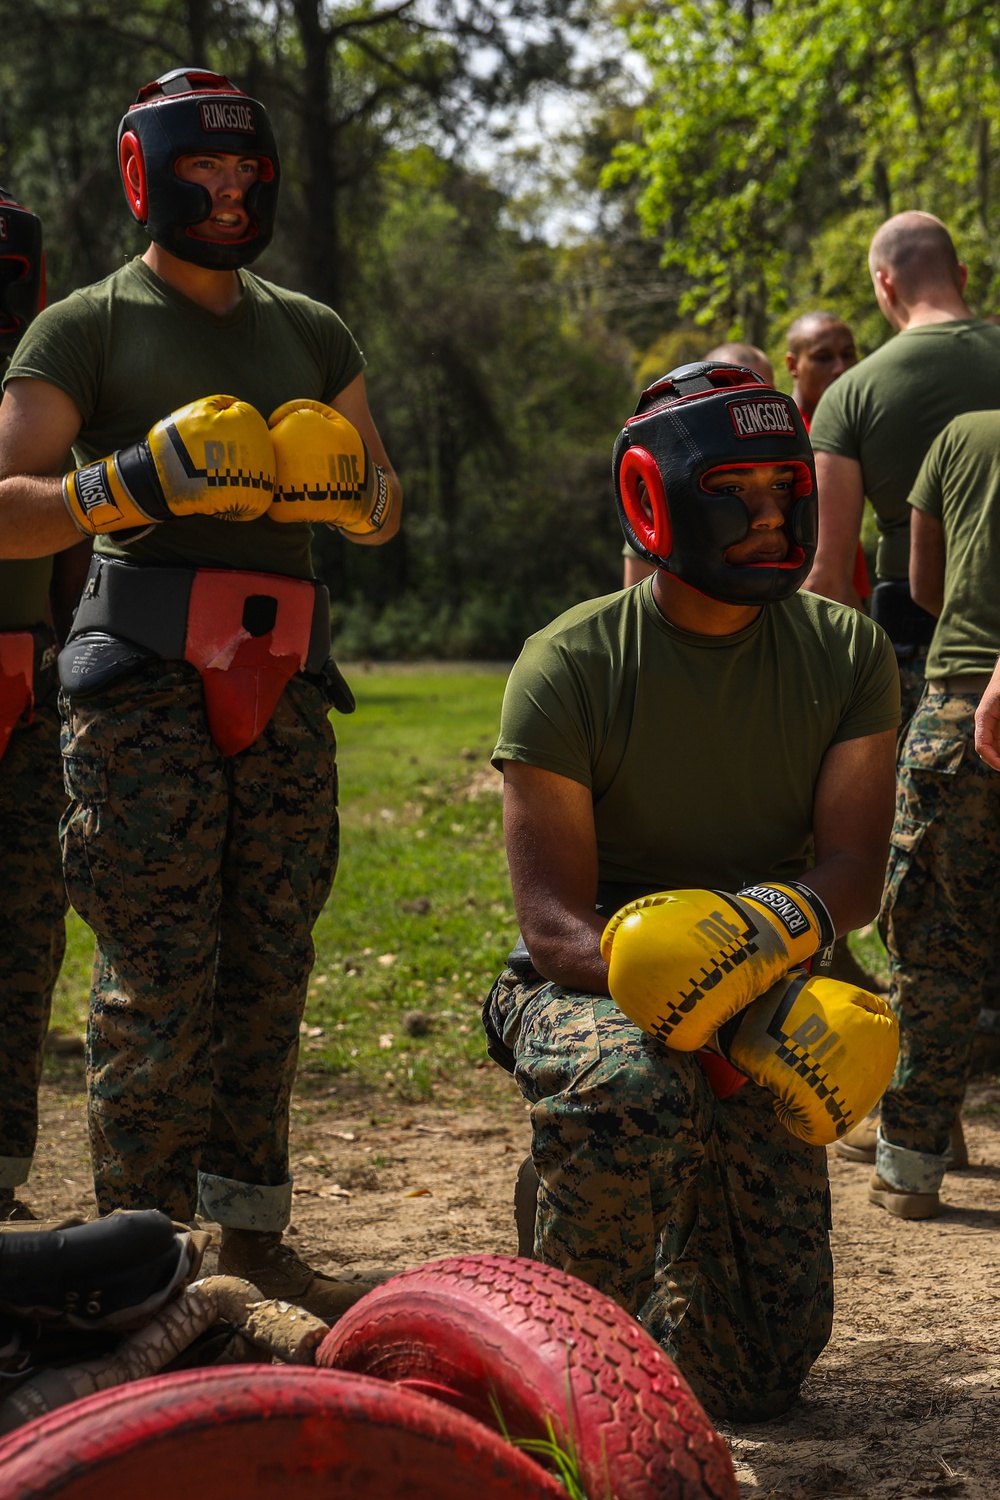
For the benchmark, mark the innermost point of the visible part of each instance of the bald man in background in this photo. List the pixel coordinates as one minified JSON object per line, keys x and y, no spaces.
{"x":871,"y":432}
{"x":874,"y":425}
{"x":744,"y":354}
{"x":820,"y":348}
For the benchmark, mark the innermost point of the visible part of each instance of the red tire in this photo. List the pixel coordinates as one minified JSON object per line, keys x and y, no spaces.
{"x":488,"y":1333}
{"x":264,"y":1433}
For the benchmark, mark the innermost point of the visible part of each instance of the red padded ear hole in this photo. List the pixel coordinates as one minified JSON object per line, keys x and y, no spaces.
{"x":802,"y":484}
{"x":655,"y":534}
{"x":130,"y":150}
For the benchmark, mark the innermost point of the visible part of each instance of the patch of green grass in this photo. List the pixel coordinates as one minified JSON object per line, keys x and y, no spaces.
{"x":421,"y":917}
{"x":869,"y":950}
{"x":69,"y":999}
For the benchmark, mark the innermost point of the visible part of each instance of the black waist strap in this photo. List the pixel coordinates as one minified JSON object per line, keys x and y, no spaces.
{"x":129,"y":615}
{"x":148,"y":607}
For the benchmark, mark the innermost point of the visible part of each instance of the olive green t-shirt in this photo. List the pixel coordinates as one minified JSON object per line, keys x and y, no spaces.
{"x":959,"y":484}
{"x":701,"y":752}
{"x":887,"y":410}
{"x":130,"y":350}
{"x":24,"y":592}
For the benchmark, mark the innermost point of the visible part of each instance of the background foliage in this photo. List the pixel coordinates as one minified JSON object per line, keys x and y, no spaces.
{"x":706,"y":168}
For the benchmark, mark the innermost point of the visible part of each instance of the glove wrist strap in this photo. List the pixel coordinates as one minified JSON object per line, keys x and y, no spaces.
{"x":138,"y":473}
{"x":824,"y":921}
{"x":100,"y":500}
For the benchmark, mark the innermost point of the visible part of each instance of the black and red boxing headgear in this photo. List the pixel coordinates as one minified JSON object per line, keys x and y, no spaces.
{"x":697,"y":419}
{"x":22,"y":270}
{"x":184,"y":112}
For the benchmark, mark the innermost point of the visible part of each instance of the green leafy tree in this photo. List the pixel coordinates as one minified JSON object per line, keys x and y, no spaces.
{"x":499,"y":401}
{"x":768,"y":128}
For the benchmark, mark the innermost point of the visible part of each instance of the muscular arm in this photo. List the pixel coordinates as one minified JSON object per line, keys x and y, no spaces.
{"x":852,"y":819}
{"x":548,"y":823}
{"x":352,"y":403}
{"x":927,"y":561}
{"x":841,"y":496}
{"x":38,"y":423}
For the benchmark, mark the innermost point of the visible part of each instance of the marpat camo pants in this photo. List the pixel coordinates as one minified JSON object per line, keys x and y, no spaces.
{"x":202,"y":877}
{"x":705,"y":1218}
{"x":33,"y":907}
{"x":938,"y":921}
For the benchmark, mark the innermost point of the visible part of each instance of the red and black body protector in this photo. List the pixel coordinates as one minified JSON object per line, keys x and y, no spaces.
{"x":184,"y":112}
{"x":22,"y":270}
{"x":247,"y":634}
{"x":700,"y":418}
{"x":17,"y":679}
{"x":22,"y":295}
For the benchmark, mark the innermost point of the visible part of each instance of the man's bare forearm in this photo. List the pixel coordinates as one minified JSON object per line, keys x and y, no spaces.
{"x":841,"y":497}
{"x":566,"y":949}
{"x":850,"y":889}
{"x":34,"y":521}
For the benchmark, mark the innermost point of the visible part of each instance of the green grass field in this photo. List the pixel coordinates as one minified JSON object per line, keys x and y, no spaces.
{"x":421,"y":918}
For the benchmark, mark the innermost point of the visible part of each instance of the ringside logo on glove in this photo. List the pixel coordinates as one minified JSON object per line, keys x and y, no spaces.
{"x":325,"y":474}
{"x":681,"y":963}
{"x":211,"y":458}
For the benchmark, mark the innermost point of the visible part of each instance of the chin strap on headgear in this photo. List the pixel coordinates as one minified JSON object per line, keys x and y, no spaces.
{"x":187,"y":111}
{"x":699,"y":418}
{"x":22,"y":270}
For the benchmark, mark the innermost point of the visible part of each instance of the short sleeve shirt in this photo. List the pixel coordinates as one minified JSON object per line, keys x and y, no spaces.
{"x":701,"y":752}
{"x":130,"y":349}
{"x":959,"y":485}
{"x":887,"y":410}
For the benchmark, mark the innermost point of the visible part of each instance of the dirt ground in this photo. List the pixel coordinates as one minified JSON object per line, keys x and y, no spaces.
{"x":904,"y":1403}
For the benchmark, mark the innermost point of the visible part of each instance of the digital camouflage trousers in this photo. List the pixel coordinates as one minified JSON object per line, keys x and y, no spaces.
{"x":705,"y":1218}
{"x":33,"y":907}
{"x":202,"y":878}
{"x":938,"y":920}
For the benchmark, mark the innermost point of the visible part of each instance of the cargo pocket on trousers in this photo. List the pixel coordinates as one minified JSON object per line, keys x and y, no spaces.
{"x":925,"y":780}
{"x":904,"y":842}
{"x":91,"y":858}
{"x":85,"y":778}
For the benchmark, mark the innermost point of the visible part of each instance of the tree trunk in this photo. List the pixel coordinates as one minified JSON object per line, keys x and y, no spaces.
{"x":197,"y":30}
{"x":321,"y":258}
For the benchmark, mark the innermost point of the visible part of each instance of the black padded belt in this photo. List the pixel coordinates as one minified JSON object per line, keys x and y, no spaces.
{"x":129,"y":615}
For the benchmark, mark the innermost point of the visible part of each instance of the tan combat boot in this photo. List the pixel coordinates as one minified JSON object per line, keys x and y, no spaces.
{"x":261,"y":1257}
{"x":901,"y":1204}
{"x":859,"y":1144}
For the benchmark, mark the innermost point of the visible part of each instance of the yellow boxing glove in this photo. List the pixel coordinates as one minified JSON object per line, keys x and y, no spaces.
{"x":325,"y":472}
{"x":680,"y":963}
{"x":825,"y":1050}
{"x":211,"y":458}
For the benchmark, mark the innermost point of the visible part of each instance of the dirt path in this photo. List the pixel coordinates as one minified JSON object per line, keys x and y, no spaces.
{"x":904,"y":1403}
